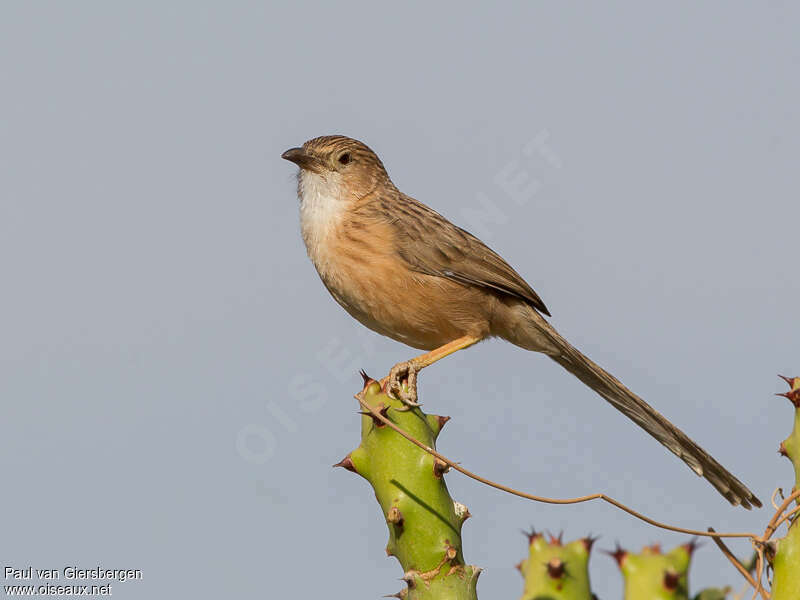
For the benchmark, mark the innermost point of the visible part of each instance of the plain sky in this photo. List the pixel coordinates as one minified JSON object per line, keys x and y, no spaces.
{"x":176,"y":382}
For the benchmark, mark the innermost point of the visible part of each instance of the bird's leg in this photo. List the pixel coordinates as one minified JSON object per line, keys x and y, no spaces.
{"x":393,"y":383}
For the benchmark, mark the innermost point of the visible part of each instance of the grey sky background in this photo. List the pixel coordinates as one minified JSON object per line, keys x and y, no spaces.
{"x":175,"y":380}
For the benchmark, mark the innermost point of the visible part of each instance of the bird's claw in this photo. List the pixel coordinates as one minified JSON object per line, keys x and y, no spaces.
{"x":394,"y":384}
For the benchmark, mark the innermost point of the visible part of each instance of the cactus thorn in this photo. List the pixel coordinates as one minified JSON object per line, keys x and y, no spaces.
{"x":384,"y":412}
{"x":782,"y":450}
{"x":653,"y":549}
{"x":789,"y":380}
{"x":450,"y":553}
{"x":557,"y":541}
{"x":531,"y":535}
{"x":671,"y":579}
{"x":589,"y":541}
{"x":395,"y":517}
{"x":367,"y":379}
{"x":692,"y":545}
{"x":440,"y":468}
{"x":556,"y":568}
{"x":408,"y":577}
{"x":346,"y":463}
{"x":793,"y":396}
{"x":399,"y":595}
{"x":442,"y":420}
{"x":618,"y":554}
{"x":519,"y":566}
{"x":462,"y":512}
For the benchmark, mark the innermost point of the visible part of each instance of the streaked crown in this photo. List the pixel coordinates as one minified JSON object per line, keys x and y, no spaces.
{"x":340,"y":150}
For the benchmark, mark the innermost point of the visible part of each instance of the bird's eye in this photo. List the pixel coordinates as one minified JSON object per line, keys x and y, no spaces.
{"x":344,"y":158}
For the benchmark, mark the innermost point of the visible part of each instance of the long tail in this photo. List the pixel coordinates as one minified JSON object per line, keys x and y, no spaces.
{"x":644,"y":415}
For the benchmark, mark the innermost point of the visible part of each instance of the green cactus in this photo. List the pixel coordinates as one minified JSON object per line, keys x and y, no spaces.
{"x":653,"y":575}
{"x":423,"y":520}
{"x":713,"y":594}
{"x":556,"y":571}
{"x":786,"y":558}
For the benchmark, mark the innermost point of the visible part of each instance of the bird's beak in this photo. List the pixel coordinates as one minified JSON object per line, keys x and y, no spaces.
{"x":302,"y":159}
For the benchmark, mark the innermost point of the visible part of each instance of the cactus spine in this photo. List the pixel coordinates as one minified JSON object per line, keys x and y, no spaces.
{"x":423,"y":520}
{"x":555,"y":571}
{"x":786,"y":560}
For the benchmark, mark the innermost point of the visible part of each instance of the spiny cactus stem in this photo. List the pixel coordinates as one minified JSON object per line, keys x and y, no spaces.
{"x":555,"y":570}
{"x":655,"y":574}
{"x":424,"y":522}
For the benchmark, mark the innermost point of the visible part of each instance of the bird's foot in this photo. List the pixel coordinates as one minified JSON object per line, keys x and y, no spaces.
{"x":404,"y":372}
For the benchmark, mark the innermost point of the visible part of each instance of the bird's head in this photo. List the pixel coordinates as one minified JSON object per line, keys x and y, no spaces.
{"x":338,"y":166}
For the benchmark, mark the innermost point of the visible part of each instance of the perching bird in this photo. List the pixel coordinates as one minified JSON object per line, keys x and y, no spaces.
{"x":406,"y":272}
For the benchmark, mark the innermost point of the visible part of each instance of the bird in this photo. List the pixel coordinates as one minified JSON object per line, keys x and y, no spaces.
{"x":406,"y":272}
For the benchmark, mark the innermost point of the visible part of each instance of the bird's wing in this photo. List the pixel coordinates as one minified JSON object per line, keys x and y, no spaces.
{"x":431,"y":244}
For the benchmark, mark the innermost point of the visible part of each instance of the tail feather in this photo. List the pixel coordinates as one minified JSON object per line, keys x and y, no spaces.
{"x":644,"y":415}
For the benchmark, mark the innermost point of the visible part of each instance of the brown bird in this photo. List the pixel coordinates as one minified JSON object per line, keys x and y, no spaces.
{"x":405,"y":271}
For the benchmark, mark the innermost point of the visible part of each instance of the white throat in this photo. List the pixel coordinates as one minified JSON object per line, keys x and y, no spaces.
{"x":323,"y":204}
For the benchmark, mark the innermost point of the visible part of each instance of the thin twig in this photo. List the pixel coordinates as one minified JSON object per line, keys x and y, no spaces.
{"x":759,"y":566}
{"x":376,"y":415}
{"x":736,"y":562}
{"x":774,"y":521}
{"x":775,"y":493}
{"x":788,"y":515}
